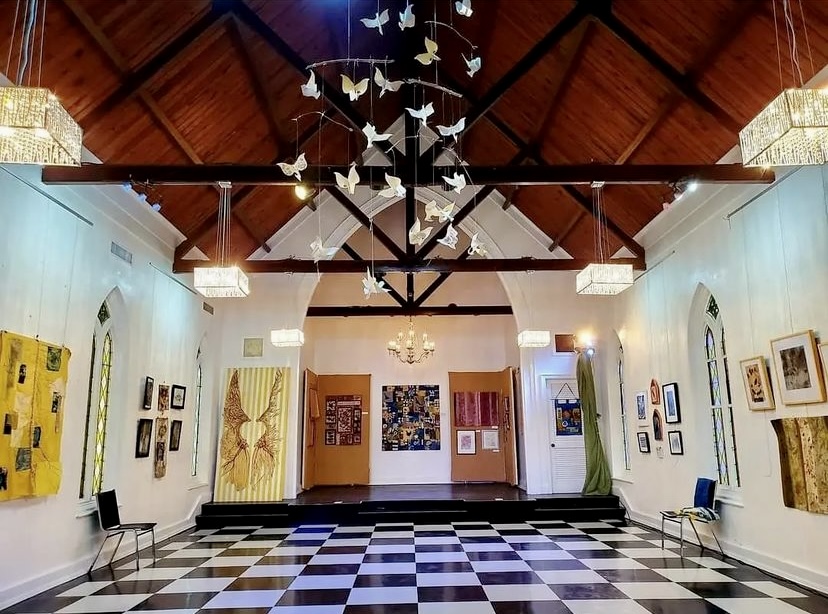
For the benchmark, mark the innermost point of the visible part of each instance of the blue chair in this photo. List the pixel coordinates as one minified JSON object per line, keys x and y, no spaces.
{"x":110,"y":521}
{"x":702,"y":511}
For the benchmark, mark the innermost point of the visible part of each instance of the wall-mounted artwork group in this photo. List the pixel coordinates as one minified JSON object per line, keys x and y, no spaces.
{"x":168,"y":397}
{"x":410,"y":417}
{"x":343,"y":420}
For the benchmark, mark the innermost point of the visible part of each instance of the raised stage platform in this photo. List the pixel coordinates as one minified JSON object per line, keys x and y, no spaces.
{"x":429,"y":503}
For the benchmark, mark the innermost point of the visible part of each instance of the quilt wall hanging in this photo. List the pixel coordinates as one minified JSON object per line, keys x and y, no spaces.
{"x":343,"y":420}
{"x":251,"y":449}
{"x":410,"y":417}
{"x":803,"y":450}
{"x":475,"y":409}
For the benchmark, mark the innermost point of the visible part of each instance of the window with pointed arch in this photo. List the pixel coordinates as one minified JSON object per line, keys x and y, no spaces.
{"x":721,"y":406}
{"x":625,"y":436}
{"x":97,"y":406}
{"x":197,"y":414}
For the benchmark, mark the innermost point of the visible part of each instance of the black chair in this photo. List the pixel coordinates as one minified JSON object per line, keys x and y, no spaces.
{"x":703,"y":511}
{"x":110,"y":521}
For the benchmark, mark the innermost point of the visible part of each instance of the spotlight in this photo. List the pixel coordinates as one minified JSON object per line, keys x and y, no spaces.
{"x":692,"y":186}
{"x":302,"y":191}
{"x":590,"y":352}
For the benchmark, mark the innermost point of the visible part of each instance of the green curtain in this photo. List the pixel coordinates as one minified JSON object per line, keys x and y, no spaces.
{"x":598,"y":478}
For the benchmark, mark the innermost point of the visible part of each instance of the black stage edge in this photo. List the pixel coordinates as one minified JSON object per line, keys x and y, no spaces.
{"x":422,"y":504}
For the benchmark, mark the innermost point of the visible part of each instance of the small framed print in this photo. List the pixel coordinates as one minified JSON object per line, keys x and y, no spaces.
{"x":655,"y":392}
{"x":466,"y":442}
{"x":672,"y":410}
{"x":253,"y":347}
{"x":757,"y":383}
{"x":175,"y":435}
{"x":797,"y":369}
{"x":641,"y":406}
{"x":179,"y":394}
{"x":490,"y":440}
{"x":143,"y":438}
{"x":643,"y":442}
{"x":149,"y":385}
{"x":676,"y":442}
{"x":163,"y":398}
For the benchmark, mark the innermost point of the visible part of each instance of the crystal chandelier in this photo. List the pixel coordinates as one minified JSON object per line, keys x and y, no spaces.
{"x":601,"y":277}
{"x":34,"y":127}
{"x":222,"y":281}
{"x":287,"y":338}
{"x":405,"y":347}
{"x":534,"y":338}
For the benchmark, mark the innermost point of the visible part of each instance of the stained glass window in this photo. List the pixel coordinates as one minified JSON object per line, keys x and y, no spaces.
{"x":197,"y":417}
{"x":82,"y":490}
{"x":103,"y":313}
{"x":713,"y":308}
{"x":625,"y":442}
{"x":103,"y":411}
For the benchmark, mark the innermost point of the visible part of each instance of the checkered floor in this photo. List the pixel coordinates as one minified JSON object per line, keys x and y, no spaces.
{"x":475,"y":568}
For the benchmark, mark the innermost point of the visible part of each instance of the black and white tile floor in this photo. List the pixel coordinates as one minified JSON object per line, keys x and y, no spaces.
{"x":462,"y":568}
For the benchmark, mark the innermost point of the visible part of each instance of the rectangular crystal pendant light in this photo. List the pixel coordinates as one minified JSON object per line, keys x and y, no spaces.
{"x":604,"y":279}
{"x":534,"y":338}
{"x":221,"y":282}
{"x":287,"y":338}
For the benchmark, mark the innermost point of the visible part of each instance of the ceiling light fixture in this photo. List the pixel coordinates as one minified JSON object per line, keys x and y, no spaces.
{"x":529,"y":338}
{"x":287,"y":338}
{"x":408,"y":349}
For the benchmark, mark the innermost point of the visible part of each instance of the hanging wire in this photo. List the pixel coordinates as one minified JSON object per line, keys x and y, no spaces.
{"x":223,"y":234}
{"x":807,"y":40}
{"x":28,"y":25}
{"x":42,"y":38}
{"x":778,"y":46}
{"x":13,"y":35}
{"x":786,"y":9}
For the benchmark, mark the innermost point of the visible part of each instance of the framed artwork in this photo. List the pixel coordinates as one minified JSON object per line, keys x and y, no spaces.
{"x":643,"y":442}
{"x":466,"y":442}
{"x":175,"y":435}
{"x":655,"y":392}
{"x":490,"y":440}
{"x":658,"y":426}
{"x":410,"y":417}
{"x":344,"y":412}
{"x":823,"y":351}
{"x":475,"y":409}
{"x":143,"y":438}
{"x":149,"y":384}
{"x":641,"y":406}
{"x":672,"y":410}
{"x":163,"y":398}
{"x":757,"y":383}
{"x":253,"y":347}
{"x":568,"y":417}
{"x":179,"y":393}
{"x":797,"y":369}
{"x":160,"y":461}
{"x":676,"y":442}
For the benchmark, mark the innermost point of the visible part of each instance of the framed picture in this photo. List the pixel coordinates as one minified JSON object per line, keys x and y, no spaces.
{"x":797,"y":369}
{"x":672,"y":411}
{"x":757,"y":383}
{"x":676,"y":442}
{"x":143,"y":438}
{"x":253,"y":347}
{"x":643,"y":442}
{"x":658,"y":426}
{"x":149,"y":384}
{"x":641,"y":406}
{"x":466,"y":442}
{"x":175,"y":435}
{"x":823,"y":350}
{"x":490,"y":440}
{"x":655,"y":392}
{"x":179,"y":393}
{"x":163,"y":398}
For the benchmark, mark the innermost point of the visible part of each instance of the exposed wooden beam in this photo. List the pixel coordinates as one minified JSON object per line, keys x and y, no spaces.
{"x":436,"y":265}
{"x":372,"y":311}
{"x":354,"y":255}
{"x":540,"y":174}
{"x":556,"y":243}
{"x":434,"y":285}
{"x":470,"y":206}
{"x":351,"y":252}
{"x":363,"y":219}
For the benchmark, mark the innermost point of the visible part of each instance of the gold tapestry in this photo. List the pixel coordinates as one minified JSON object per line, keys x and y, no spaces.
{"x":251,"y":449}
{"x":32,"y":395}
{"x":803,"y":450}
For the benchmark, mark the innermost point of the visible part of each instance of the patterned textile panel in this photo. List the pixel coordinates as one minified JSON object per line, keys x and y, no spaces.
{"x":803,"y":448}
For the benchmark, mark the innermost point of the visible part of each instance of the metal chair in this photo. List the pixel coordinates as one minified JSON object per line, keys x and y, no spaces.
{"x":110,"y":521}
{"x":702,"y":511}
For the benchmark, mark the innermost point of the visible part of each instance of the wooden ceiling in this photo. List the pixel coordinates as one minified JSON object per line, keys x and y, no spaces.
{"x":195,"y":81}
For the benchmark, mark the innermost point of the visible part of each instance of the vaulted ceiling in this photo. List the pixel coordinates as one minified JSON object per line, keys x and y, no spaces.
{"x":606,"y":81}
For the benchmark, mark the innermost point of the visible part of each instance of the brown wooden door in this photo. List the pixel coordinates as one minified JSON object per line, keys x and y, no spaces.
{"x":311,"y":416}
{"x":507,"y":424}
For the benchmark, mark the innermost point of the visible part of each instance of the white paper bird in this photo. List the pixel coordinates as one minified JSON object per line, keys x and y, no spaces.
{"x":423,"y":113}
{"x":370,"y":133}
{"x":294,"y":169}
{"x":320,"y":252}
{"x":477,"y":247}
{"x":407,"y":17}
{"x":430,"y":54}
{"x":450,"y":240}
{"x":310,"y":89}
{"x":370,"y":285}
{"x":349,"y":182}
{"x":395,"y":187}
{"x":453,"y":130}
{"x":463,"y":8}
{"x":354,"y":90}
{"x":384,"y":84}
{"x":417,"y":235}
{"x":443,"y":214}
{"x":457,"y":182}
{"x":377,"y":22}
{"x":473,"y":65}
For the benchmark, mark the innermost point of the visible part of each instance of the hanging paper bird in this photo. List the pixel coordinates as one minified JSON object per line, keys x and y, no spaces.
{"x":432,"y":210}
{"x":464,"y":8}
{"x":377,"y":22}
{"x":430,"y":54}
{"x":354,"y":91}
{"x":384,"y":84}
{"x":349,"y":182}
{"x":395,"y":187}
{"x":310,"y":89}
{"x":450,"y":240}
{"x":320,"y":252}
{"x":477,"y":247}
{"x":473,"y":65}
{"x":422,"y":113}
{"x":407,"y":17}
{"x":370,"y":285}
{"x":294,"y":169}
{"x":458,"y":182}
{"x":453,"y":130}
{"x":416,"y":235}
{"x":370,"y":133}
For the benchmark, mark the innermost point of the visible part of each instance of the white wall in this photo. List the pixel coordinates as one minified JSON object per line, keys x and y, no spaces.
{"x":767,"y":266}
{"x":55,"y":270}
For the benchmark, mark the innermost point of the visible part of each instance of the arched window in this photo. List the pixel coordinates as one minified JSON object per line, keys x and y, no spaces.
{"x":721,"y":407}
{"x":625,"y":441}
{"x":97,"y":406}
{"x":197,"y":413}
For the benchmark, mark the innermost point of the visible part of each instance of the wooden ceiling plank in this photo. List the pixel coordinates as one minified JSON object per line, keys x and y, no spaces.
{"x":363,"y":219}
{"x":375,"y":311}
